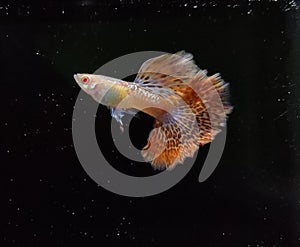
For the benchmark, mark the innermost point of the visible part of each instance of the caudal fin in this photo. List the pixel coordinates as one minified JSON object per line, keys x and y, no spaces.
{"x":200,"y":107}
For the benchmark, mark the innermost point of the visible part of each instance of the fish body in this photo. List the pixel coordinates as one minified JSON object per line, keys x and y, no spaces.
{"x":181,"y":97}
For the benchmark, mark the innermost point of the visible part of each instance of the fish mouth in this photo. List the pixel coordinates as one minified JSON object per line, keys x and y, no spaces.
{"x":76,"y":77}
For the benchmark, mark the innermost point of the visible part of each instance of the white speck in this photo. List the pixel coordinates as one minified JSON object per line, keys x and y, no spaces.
{"x":249,"y":12}
{"x":63,"y":11}
{"x":195,"y":6}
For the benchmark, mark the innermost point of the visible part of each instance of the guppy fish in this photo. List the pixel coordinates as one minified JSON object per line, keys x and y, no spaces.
{"x":181,"y":98}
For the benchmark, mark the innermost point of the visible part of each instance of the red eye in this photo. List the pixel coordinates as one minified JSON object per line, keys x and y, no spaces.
{"x":84,"y":79}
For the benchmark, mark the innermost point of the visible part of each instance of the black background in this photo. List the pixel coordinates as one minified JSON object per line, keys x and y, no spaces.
{"x":252,"y":198}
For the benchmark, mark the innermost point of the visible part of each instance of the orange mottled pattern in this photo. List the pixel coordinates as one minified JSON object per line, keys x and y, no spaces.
{"x":177,"y":145}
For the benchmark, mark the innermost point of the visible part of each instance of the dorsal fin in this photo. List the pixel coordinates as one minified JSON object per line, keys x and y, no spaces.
{"x":167,"y":70}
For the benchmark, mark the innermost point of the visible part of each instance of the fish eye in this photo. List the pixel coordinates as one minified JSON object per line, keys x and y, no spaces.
{"x":85,"y":79}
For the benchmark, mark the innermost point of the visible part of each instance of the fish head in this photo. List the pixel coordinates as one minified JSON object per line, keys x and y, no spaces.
{"x":98,"y":86}
{"x":87,"y":82}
